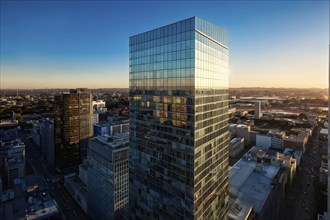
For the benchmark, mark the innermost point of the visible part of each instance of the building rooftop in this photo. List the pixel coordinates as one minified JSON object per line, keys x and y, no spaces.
{"x":235,"y":140}
{"x":276,"y":133}
{"x":31,"y":200}
{"x":294,"y":138}
{"x":238,"y":210}
{"x":250,"y":184}
{"x":113,"y":141}
{"x":324,"y":131}
{"x":76,"y":183}
{"x":242,"y":126}
{"x":105,"y":146}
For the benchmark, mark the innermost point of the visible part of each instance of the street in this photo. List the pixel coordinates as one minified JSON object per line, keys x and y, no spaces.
{"x":68,"y":205}
{"x":299,"y":201}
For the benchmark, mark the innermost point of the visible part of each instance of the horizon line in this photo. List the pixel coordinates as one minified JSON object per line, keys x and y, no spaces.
{"x":243,"y":87}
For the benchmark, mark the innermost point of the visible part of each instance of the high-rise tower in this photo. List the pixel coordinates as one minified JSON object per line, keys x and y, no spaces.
{"x":179,"y":122}
{"x":73,"y":126}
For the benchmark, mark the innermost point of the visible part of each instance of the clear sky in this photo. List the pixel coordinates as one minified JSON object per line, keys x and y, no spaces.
{"x":58,"y":44}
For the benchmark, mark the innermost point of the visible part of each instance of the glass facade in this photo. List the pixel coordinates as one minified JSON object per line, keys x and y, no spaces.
{"x":73,"y":125}
{"x":178,"y":131}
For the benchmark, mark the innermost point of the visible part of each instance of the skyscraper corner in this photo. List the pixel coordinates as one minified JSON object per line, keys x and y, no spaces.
{"x":179,"y":122}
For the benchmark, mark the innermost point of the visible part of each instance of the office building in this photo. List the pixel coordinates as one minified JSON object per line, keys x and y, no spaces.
{"x":12,"y":161}
{"x":47,"y":140}
{"x":73,"y":126}
{"x":295,"y":142}
{"x":179,"y":122}
{"x":276,"y":138}
{"x":257,"y":110}
{"x":108,"y":176}
{"x":35,"y":132}
{"x":272,"y":139}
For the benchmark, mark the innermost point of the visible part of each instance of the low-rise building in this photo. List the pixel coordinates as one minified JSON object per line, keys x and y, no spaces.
{"x":12,"y":160}
{"x":295,"y":142}
{"x":272,"y":139}
{"x":276,"y":138}
{"x":255,"y":190}
{"x":29,"y":199}
{"x":275,"y":158}
{"x":236,"y":147}
{"x":78,"y":190}
{"x":264,"y":141}
{"x":243,"y":131}
{"x":296,"y":154}
{"x":302,"y":132}
{"x":99,"y":106}
{"x":323,"y":134}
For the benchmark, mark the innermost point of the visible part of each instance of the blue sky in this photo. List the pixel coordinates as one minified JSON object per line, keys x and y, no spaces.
{"x":57,"y":44}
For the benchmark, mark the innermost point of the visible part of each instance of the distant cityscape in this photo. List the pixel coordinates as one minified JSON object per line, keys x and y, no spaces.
{"x":179,"y":143}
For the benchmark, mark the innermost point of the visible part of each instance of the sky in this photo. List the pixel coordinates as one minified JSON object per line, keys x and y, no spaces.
{"x":70,"y":44}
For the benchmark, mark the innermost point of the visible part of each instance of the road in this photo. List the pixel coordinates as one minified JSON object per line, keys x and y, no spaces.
{"x":299,"y":201}
{"x":68,"y":205}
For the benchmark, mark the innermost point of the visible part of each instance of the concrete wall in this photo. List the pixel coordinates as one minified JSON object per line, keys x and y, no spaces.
{"x":263,"y":141}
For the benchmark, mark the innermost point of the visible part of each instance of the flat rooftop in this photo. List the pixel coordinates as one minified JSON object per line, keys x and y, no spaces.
{"x":76,"y":183}
{"x":250,"y":187}
{"x":112,"y":141}
{"x":31,"y":201}
{"x":324,"y":131}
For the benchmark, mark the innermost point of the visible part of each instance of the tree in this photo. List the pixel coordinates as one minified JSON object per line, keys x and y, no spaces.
{"x":302,"y":116}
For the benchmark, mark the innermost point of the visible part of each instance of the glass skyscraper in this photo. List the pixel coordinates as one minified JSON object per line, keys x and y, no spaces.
{"x":179,"y":122}
{"x":72,"y":126}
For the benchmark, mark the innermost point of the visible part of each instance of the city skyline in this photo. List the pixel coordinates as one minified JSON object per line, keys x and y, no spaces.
{"x":49,"y":41}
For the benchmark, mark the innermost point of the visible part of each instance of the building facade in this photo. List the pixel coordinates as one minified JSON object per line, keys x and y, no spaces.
{"x":73,"y":126}
{"x":12,"y":161}
{"x":236,"y":146}
{"x":257,"y":110}
{"x":108,"y":176}
{"x":47,"y":140}
{"x":179,"y":122}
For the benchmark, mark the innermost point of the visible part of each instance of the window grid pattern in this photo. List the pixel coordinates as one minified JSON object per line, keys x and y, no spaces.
{"x":178,"y":107}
